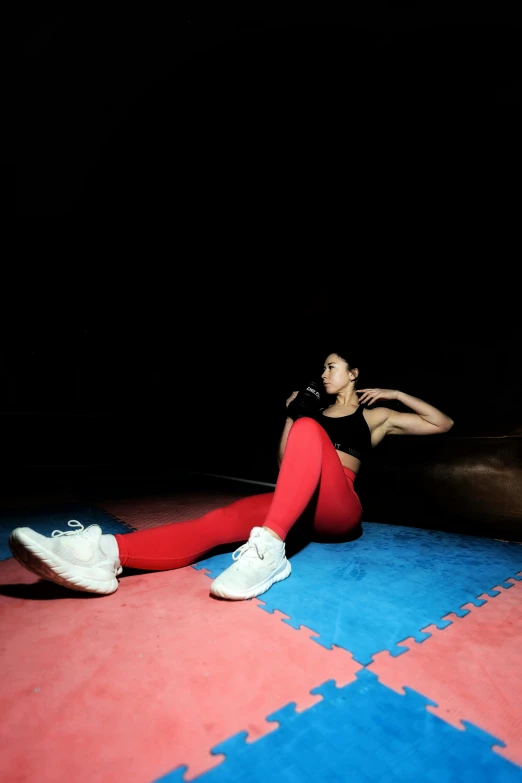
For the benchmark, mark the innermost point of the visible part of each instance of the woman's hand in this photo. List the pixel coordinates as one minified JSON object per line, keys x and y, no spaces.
{"x":291,"y":398}
{"x":372,"y":395}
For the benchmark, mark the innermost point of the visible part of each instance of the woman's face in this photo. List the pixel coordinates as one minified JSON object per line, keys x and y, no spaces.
{"x":336,"y":375}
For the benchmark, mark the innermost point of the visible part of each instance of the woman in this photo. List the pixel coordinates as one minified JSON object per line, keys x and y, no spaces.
{"x":319,"y":456}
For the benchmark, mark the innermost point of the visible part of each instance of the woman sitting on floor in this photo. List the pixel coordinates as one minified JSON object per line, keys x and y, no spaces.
{"x":320,"y":452}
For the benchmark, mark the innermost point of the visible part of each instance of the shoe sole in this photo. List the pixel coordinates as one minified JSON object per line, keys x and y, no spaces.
{"x":254,"y":591}
{"x":48,"y":566}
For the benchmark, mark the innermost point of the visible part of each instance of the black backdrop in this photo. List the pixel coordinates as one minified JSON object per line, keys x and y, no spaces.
{"x":203,"y":205}
{"x":147,"y":390}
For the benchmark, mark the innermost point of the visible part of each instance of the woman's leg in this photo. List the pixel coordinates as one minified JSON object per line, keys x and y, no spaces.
{"x":310,"y":472}
{"x":182,"y":543}
{"x":311,"y":477}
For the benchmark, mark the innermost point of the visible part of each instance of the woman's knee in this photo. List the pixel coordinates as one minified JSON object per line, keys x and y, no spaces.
{"x":307,"y":424}
{"x":305,"y":427}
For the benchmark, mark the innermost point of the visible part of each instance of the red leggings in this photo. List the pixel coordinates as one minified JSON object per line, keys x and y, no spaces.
{"x":311,"y":478}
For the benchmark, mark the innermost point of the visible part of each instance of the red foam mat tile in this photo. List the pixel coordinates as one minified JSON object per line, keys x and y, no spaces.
{"x":471,"y":669}
{"x":132,"y":685}
{"x":146,"y":512}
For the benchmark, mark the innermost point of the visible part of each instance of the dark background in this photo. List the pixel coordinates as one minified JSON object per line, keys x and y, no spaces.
{"x":204,"y":204}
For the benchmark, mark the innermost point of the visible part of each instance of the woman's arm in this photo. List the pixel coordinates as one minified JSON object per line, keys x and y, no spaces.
{"x":426,"y":419}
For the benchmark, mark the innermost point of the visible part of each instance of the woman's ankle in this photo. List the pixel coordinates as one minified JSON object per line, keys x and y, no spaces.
{"x":272,"y":532}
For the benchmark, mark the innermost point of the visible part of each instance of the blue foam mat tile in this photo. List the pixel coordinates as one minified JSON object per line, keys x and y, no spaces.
{"x":369,"y":594}
{"x":46,"y":520}
{"x":361,"y":732}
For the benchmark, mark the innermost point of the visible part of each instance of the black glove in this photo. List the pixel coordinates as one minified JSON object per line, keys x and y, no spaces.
{"x":307,"y":402}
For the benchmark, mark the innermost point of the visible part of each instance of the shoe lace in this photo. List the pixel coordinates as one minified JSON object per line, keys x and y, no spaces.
{"x":71,"y":523}
{"x":246,"y":548}
{"x":74,"y":523}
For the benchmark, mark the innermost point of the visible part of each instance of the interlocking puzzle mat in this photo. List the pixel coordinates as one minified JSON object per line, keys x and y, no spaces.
{"x":169,"y":683}
{"x":369,"y":594}
{"x":362,"y":732}
{"x":46,"y":520}
{"x":472,"y":668}
{"x":131,"y":685}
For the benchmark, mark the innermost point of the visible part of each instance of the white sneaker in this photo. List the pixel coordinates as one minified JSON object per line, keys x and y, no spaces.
{"x":259,"y":563}
{"x":73,"y":558}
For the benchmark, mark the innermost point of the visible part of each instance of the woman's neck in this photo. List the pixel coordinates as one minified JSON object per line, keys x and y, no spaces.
{"x":348,"y":401}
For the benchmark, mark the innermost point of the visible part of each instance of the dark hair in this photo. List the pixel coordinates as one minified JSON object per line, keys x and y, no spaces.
{"x":350,"y":364}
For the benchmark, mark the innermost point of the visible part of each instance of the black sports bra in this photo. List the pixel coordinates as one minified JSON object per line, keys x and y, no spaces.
{"x":350,"y":434}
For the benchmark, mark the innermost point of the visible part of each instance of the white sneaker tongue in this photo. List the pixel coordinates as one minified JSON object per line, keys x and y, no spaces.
{"x":270,"y":538}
